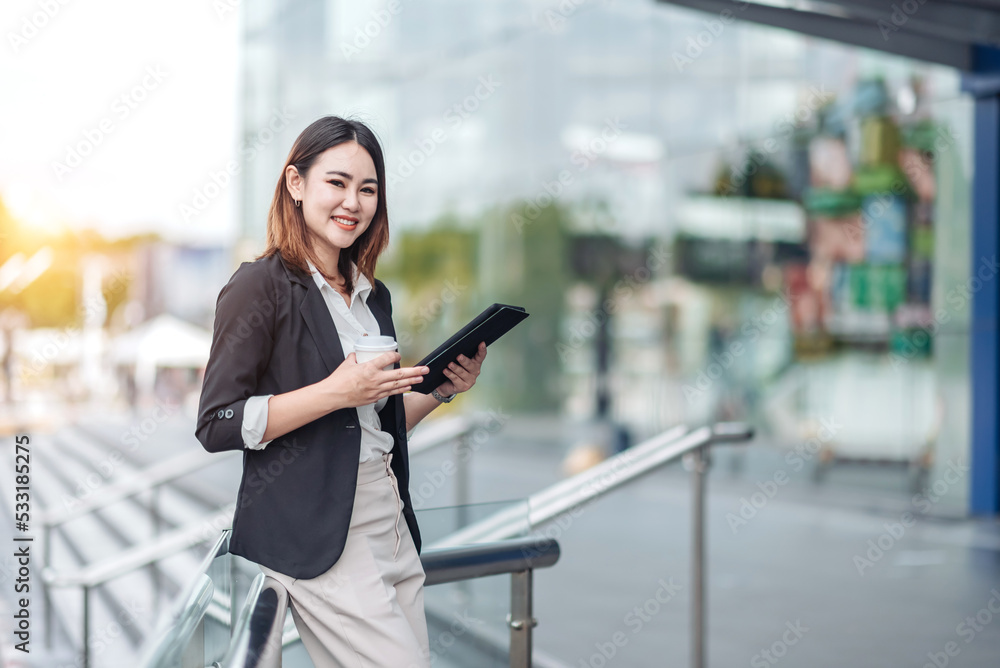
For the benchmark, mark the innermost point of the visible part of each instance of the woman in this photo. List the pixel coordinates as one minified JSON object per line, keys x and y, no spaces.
{"x":324,"y":505}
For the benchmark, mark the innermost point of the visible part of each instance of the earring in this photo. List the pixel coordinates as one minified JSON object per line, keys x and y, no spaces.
{"x":298,"y":203}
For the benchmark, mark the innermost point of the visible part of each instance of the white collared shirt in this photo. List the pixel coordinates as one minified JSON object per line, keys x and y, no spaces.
{"x":352,"y":322}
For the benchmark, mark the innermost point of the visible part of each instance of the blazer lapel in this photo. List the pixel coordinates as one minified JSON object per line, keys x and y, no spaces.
{"x":324,"y":332}
{"x":317,"y":317}
{"x":381,"y":317}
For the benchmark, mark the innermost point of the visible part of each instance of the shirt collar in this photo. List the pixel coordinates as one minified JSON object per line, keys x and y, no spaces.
{"x":362,"y":286}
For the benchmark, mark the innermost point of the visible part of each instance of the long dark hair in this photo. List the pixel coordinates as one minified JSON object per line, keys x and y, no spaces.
{"x":286,"y":226}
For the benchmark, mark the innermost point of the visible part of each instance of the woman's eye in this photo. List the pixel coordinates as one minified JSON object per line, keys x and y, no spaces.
{"x":370,"y":191}
{"x":336,"y":182}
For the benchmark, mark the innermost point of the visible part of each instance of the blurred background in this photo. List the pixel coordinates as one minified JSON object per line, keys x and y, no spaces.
{"x":708,"y":219}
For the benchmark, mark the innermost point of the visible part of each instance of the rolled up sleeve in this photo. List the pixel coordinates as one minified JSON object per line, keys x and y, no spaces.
{"x":255,"y":422}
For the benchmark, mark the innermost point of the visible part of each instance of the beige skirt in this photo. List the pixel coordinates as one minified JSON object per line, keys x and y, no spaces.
{"x":367,"y":611}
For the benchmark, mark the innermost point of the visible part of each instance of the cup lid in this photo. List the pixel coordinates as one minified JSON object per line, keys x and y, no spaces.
{"x":375,"y":343}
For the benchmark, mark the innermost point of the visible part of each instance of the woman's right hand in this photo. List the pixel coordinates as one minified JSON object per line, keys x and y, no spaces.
{"x":356,"y":384}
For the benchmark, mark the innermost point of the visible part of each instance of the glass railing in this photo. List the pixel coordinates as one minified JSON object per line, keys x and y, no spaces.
{"x":437,"y":523}
{"x":468,"y":620}
{"x":474,"y":617}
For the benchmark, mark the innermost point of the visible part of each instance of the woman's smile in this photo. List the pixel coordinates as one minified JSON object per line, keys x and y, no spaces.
{"x":344,"y":222}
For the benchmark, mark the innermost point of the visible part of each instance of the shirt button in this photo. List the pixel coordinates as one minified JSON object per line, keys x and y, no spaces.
{"x":221,"y":414}
{"x":229,"y":412}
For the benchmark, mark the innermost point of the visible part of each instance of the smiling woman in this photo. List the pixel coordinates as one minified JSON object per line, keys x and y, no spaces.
{"x":337,"y":194}
{"x":336,"y":526}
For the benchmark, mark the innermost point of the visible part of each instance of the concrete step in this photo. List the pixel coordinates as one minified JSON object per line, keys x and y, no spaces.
{"x":123,"y":610}
{"x":173,"y":507}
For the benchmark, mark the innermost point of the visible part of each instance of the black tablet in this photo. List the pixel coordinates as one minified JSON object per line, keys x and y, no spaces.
{"x":488,"y":326}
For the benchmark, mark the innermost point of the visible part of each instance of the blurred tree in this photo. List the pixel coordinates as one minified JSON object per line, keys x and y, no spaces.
{"x":758,"y":176}
{"x":53,"y":299}
{"x":455,"y":269}
{"x":528,"y":246}
{"x":436,"y":269}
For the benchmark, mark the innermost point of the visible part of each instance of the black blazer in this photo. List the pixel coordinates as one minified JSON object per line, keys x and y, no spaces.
{"x":273,"y":333}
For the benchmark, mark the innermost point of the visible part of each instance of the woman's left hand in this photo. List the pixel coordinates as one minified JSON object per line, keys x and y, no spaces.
{"x":462,"y":373}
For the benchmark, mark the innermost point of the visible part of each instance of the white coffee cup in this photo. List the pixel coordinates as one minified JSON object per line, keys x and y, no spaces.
{"x":367,"y":348}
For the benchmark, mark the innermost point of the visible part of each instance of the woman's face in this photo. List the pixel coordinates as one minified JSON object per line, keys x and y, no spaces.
{"x":339,"y":195}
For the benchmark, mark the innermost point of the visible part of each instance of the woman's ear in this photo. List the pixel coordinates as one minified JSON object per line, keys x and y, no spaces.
{"x":294,"y":182}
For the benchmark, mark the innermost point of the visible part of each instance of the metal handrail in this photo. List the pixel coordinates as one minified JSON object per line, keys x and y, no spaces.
{"x":200,"y":531}
{"x":518,"y":557}
{"x":596,"y":481}
{"x":433,"y":433}
{"x":548,"y":503}
{"x":142,"y":554}
{"x":239,"y":644}
{"x":173,"y":542}
{"x":257,"y":639}
{"x":628,"y":465}
{"x":179,"y":624}
{"x":180,"y":634}
{"x":461,"y":561}
{"x":143,"y":480}
{"x":469,"y":562}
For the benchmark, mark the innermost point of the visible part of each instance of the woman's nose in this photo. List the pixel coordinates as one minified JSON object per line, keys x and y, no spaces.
{"x":351,"y":201}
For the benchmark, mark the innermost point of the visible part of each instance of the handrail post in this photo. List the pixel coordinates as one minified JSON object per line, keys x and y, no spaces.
{"x":521,"y":620}
{"x":229,"y":567}
{"x":698,"y":462}
{"x":193,"y":655}
{"x":462,"y":451}
{"x":46,"y":590}
{"x":154,"y":567}
{"x":86,"y":626}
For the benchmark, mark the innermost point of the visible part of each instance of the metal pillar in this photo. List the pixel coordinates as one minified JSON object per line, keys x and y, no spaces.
{"x":462,"y":451}
{"x":984,"y":369}
{"x":698,"y":464}
{"x":86,"y":626}
{"x":521,"y":620}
